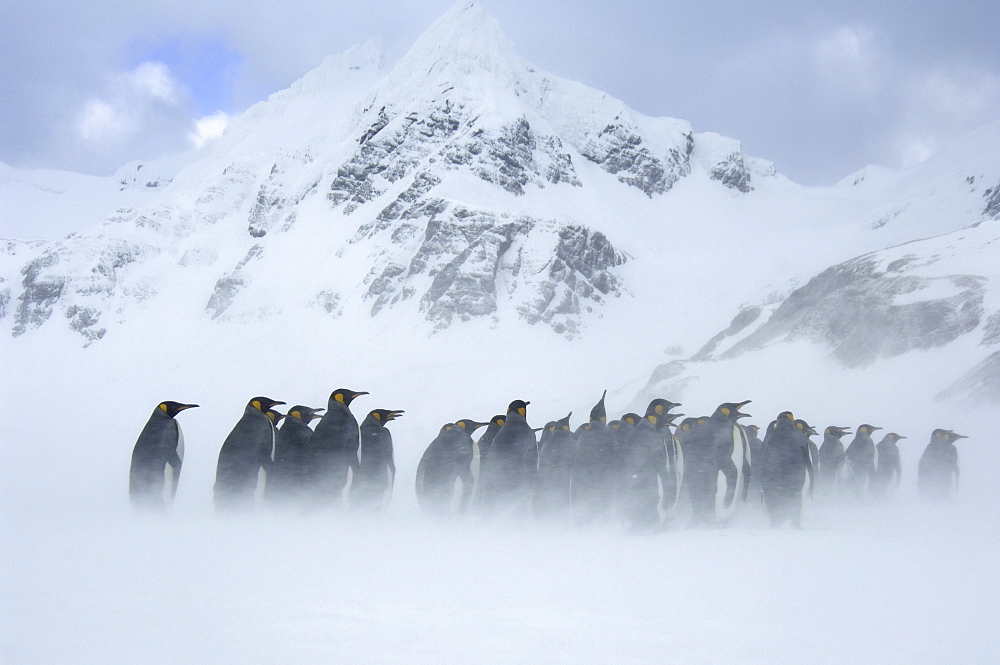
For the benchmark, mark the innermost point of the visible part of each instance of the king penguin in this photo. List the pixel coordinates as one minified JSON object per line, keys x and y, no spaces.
{"x":887,"y":473}
{"x":860,"y":462}
{"x":786,"y":469}
{"x":290,"y":465}
{"x":831,"y":460}
{"x":674,"y":478}
{"x":333,"y":450}
{"x":717,"y":463}
{"x":645,"y":466}
{"x":509,"y":469}
{"x":444,"y":483}
{"x":556,"y":452}
{"x":937,"y":472}
{"x":482,"y":446}
{"x":371,"y":491}
{"x":157,"y":458}
{"x":246,"y":450}
{"x":596,"y":469}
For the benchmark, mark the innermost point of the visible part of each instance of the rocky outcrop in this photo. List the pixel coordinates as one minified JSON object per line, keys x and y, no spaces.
{"x":620,"y":150}
{"x":734,"y":172}
{"x":865,"y":310}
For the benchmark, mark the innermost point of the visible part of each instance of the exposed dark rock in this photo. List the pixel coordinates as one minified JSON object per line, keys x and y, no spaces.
{"x":329,"y":301}
{"x":851,"y":307}
{"x":579,"y":275}
{"x":746,"y":316}
{"x":992,"y":196}
{"x":40,"y":293}
{"x":618,"y":150}
{"x":733,"y":172}
{"x":991,"y":331}
{"x":228,"y":287}
{"x":83,"y":320}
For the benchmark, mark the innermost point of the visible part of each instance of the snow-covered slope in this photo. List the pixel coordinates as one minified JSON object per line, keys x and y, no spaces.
{"x":451,"y":233}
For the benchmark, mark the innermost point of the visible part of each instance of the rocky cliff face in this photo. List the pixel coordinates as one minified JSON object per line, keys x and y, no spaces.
{"x":460,"y":113}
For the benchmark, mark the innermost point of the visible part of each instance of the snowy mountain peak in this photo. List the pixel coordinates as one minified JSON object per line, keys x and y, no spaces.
{"x":465,"y":38}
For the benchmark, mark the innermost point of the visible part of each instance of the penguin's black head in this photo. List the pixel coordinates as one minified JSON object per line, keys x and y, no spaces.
{"x":689,"y":424}
{"x":599,"y":412}
{"x":867,"y":429}
{"x":837,"y":432}
{"x":660,"y":406}
{"x":447,"y":427}
{"x":173,"y":408}
{"x":274,"y":416}
{"x":468,"y":425}
{"x":786,"y":414}
{"x":892,"y":437}
{"x":385,"y":415}
{"x":615,"y":424}
{"x":345,"y":396}
{"x":498,"y":420}
{"x":303,"y":413}
{"x":563,"y":423}
{"x":753,"y":429}
{"x":519,"y":406}
{"x":630,"y":419}
{"x":731,"y":410}
{"x":804,"y":427}
{"x":264,"y":404}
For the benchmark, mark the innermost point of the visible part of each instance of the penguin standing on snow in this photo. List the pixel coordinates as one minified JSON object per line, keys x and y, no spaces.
{"x":596,"y":469}
{"x":291,"y":446}
{"x":333,"y":449}
{"x":557,"y":449}
{"x":860,"y":462}
{"x":673,"y":479}
{"x":445,"y":483}
{"x":157,"y":458}
{"x":753,"y":440}
{"x":510,"y":467}
{"x":786,"y":469}
{"x":644,"y":470}
{"x":482,"y":446}
{"x":887,"y":473}
{"x":937,"y":472}
{"x":831,"y":459}
{"x":371,"y":490}
{"x":717,"y":463}
{"x":245,"y":452}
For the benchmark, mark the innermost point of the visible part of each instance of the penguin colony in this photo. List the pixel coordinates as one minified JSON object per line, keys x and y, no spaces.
{"x":634,"y":470}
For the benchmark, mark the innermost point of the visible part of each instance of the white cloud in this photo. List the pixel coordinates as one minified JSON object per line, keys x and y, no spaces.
{"x":209,"y":127}
{"x":98,"y":121}
{"x":154,"y":80}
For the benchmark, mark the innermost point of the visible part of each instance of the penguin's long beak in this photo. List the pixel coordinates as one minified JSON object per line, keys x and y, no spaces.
{"x":958,"y":436}
{"x":182,"y":407}
{"x":393,"y":415}
{"x":354,"y":395}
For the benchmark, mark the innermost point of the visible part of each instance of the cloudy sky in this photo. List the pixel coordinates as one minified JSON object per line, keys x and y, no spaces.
{"x":820,"y":88}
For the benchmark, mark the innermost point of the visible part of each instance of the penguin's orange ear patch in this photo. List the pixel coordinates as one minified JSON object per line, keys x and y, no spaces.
{"x":256,"y":405}
{"x":652,"y":418}
{"x":163,"y":407}
{"x":522,"y":411}
{"x":659,"y":409}
{"x":686,"y":428}
{"x":296,"y":414}
{"x":339,"y":397}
